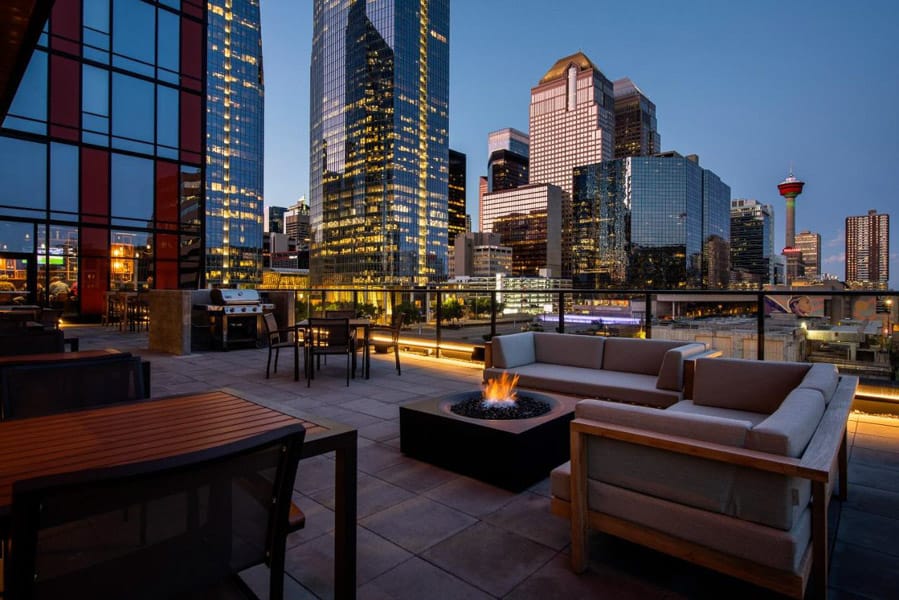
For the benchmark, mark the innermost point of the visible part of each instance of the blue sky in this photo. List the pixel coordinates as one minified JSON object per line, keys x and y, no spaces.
{"x":750,"y":87}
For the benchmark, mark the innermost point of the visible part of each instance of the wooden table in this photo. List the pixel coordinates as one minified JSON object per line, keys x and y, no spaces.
{"x":365,"y":326}
{"x":30,"y":359}
{"x":152,"y":429}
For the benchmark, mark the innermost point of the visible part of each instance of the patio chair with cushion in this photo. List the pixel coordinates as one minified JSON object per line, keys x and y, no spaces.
{"x":330,"y":336}
{"x":210,"y":515}
{"x":396,"y":324}
{"x":282,"y":338}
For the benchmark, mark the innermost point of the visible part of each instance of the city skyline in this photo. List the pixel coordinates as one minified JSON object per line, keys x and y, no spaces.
{"x":749,"y":104}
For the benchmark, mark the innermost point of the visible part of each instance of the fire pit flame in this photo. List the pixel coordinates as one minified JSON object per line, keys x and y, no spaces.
{"x":500,"y":393}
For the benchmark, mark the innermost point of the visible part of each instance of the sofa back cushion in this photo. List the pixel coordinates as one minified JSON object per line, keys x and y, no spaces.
{"x":514,"y":350}
{"x":740,"y":384}
{"x":634,"y":355}
{"x":688,"y":480}
{"x":671,"y":373}
{"x":787,"y":430}
{"x":823,"y":377}
{"x":567,"y":349}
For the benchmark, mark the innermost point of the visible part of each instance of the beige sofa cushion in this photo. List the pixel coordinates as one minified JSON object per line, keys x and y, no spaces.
{"x":822,"y":377}
{"x":671,"y":373}
{"x":568,"y":349}
{"x":513,"y":350}
{"x":680,"y":478}
{"x":688,"y":406}
{"x":788,"y":430}
{"x":634,"y":355}
{"x":742,"y":384}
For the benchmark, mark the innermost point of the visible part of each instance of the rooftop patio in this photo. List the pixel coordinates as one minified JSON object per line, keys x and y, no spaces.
{"x":427,"y":532}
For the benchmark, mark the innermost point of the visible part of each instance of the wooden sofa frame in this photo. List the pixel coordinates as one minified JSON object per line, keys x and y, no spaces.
{"x":828,"y":443}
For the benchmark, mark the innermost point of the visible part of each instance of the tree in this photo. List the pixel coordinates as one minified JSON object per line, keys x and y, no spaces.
{"x":453,"y":310}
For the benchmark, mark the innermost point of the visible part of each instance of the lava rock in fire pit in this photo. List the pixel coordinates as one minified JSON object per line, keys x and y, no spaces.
{"x":525,"y":407}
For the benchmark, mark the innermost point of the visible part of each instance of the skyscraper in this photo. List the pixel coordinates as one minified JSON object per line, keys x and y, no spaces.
{"x":636,"y":130}
{"x":868,"y":249}
{"x":572,"y":121}
{"x":456,"y":195}
{"x":102,"y":154}
{"x":507,"y":166}
{"x":752,"y":241}
{"x":379,"y":102}
{"x":276,"y":219}
{"x":809,"y":245}
{"x":653,"y":222}
{"x":234,"y":143}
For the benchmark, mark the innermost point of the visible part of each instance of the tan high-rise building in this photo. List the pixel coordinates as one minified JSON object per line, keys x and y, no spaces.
{"x":868,"y":249}
{"x":809,"y":245}
{"x":572,"y":121}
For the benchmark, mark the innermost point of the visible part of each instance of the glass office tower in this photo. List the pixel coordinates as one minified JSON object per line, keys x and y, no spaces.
{"x":507,"y":166}
{"x":752,"y":241}
{"x":234,"y":144}
{"x":868,"y":250}
{"x":379,"y":102}
{"x":456,"y":222}
{"x":102,"y":155}
{"x":650,"y":222}
{"x":636,"y":129}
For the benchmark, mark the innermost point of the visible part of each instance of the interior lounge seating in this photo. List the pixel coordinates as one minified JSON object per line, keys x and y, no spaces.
{"x":207,"y":516}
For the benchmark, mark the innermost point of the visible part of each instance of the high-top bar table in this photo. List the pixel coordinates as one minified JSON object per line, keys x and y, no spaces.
{"x":151,"y":429}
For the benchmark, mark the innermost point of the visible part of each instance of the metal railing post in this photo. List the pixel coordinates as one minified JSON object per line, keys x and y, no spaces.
{"x":437,"y":331}
{"x":492,"y":313}
{"x":647,"y":315}
{"x":561,"y":312}
{"x":356,"y":302}
{"x":760,"y":321}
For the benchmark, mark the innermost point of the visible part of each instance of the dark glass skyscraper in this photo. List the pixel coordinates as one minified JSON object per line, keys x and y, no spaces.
{"x":379,"y":141}
{"x":102,"y":155}
{"x":653,"y":222}
{"x":234,"y":143}
{"x":636,"y":130}
{"x":508,"y":160}
{"x":752,"y":241}
{"x":456,"y":196}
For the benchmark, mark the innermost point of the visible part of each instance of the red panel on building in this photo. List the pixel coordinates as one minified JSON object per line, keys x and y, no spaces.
{"x":193,"y":48}
{"x":94,"y":282}
{"x":94,"y":186}
{"x":65,"y":27}
{"x":167,"y":177}
{"x":65,"y":97}
{"x":166,"y":261}
{"x":191,"y":117}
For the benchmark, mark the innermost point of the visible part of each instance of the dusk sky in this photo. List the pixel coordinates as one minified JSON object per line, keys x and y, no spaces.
{"x":751,"y":87}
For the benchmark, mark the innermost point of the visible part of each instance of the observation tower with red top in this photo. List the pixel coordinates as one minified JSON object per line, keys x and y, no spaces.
{"x":789,"y":188}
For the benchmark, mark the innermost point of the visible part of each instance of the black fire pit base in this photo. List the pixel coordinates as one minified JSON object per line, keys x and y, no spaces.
{"x":512,"y":454}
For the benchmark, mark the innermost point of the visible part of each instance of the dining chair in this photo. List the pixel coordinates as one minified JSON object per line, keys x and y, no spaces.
{"x":39,"y":389}
{"x":330,"y":336}
{"x":210,"y":515}
{"x":282,"y":338}
{"x":396,"y":325}
{"x":340,"y":314}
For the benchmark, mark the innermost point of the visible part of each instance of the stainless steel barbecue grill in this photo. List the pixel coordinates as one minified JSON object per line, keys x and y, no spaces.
{"x":233,"y":316}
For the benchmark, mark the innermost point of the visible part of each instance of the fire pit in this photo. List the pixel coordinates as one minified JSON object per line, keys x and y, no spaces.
{"x":499,"y":400}
{"x":507,"y":445}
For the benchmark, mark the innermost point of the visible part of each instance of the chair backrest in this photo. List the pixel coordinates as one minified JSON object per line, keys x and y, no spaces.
{"x":340,"y":314}
{"x":271,"y":328}
{"x":205,"y":516}
{"x":27,"y":341}
{"x":330,"y":334}
{"x":45,"y":388}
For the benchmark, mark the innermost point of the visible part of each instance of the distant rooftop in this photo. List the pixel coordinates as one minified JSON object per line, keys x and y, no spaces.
{"x":560,"y":69}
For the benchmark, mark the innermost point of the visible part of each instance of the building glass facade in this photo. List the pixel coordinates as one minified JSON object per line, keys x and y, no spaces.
{"x":868,"y":249}
{"x":636,"y":129}
{"x":752,"y":242}
{"x":456,"y":222}
{"x":809,"y":245}
{"x":572,"y":121}
{"x":234,"y":144}
{"x":102,"y":155}
{"x":379,"y":142}
{"x":649,"y":222}
{"x":531,"y":220}
{"x":508,"y":163}
{"x":276,"y":218}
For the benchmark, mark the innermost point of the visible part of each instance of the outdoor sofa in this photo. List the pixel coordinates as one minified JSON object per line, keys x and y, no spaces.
{"x":736,"y":478}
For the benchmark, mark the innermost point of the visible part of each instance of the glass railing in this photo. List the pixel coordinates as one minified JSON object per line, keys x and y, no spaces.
{"x":853,"y":329}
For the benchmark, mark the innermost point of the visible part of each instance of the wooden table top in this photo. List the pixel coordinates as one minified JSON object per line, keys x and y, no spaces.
{"x":130,"y":432}
{"x":25,"y":359}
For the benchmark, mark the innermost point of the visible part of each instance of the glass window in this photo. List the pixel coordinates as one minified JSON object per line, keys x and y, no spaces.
{"x":168,"y":34}
{"x":133,"y":33}
{"x":132,"y":113}
{"x":96,"y":15}
{"x":130,"y":258}
{"x":95,"y":98}
{"x":167,"y":121}
{"x":64,"y":180}
{"x":16,"y":237}
{"x":23,"y":171}
{"x":132,"y":188}
{"x":28,"y":111}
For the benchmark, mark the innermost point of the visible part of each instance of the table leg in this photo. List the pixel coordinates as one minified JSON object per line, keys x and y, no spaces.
{"x":345,"y":521}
